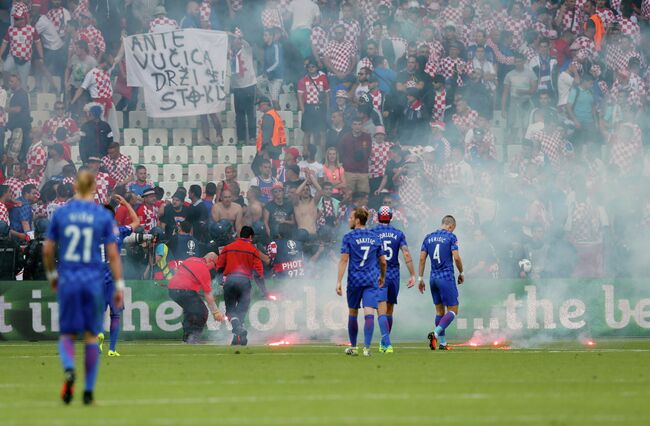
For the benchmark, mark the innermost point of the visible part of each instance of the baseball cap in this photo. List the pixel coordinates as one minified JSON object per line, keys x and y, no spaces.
{"x":278,"y":185}
{"x":147,"y":192}
{"x":97,"y":159}
{"x":179,"y":195}
{"x":293,"y":151}
{"x":380,"y":130}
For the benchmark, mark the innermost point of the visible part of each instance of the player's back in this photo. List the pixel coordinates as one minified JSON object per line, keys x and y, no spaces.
{"x":392,"y":239}
{"x":364,"y":248}
{"x":439,"y":246}
{"x":80,"y":229}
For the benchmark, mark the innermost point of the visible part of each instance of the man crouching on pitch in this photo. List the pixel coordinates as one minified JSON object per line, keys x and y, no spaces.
{"x":238,"y":262}
{"x":194,"y":274}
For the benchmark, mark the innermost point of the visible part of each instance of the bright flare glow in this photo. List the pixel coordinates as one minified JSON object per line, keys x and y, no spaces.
{"x":273,"y":297}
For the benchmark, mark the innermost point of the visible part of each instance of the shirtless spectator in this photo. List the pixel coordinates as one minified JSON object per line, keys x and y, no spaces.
{"x":304,"y":208}
{"x":229,"y":210}
{"x":228,"y":183}
{"x":254,"y":209}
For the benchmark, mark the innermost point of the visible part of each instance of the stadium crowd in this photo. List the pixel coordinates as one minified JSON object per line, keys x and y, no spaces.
{"x":522,"y":118}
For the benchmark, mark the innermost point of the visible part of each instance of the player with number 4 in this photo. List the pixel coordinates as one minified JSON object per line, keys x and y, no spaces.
{"x":362,"y":255}
{"x":441,"y":247}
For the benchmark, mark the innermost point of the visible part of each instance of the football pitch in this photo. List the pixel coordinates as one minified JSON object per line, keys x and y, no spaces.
{"x":164,"y":383}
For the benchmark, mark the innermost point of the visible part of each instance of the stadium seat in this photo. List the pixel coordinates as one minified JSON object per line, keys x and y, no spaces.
{"x":230,"y":119}
{"x":288,"y":102}
{"x":202,"y":154}
{"x":153,"y":155}
{"x":182,"y":137}
{"x":243,"y":186}
{"x":153,"y":171}
{"x":133,"y":137}
{"x":164,"y":122}
{"x":219,"y":172}
{"x":248,"y":154}
{"x":298,"y":137}
{"x":170,"y":188}
{"x":177,"y":154}
{"x":229,"y":136}
{"x":120,"y":119}
{"x":138,"y":119}
{"x":244,"y":172}
{"x":227,"y":154}
{"x":299,"y":118}
{"x":45,"y":101}
{"x":133,"y":152}
{"x":172,"y":172}
{"x":39,"y":118}
{"x":158,"y":137}
{"x":197,"y":172}
{"x":74,"y":154}
{"x":287,"y":118}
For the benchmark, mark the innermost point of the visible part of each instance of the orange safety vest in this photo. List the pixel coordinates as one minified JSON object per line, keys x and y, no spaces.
{"x":600,"y":30}
{"x":279,"y":137}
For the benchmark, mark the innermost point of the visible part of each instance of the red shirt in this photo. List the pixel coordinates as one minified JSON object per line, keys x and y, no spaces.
{"x":240,"y":258}
{"x":193,"y":274}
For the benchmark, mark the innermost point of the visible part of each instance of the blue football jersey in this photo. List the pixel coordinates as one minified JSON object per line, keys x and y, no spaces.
{"x":80,"y":229}
{"x":438,"y":245}
{"x":392,"y":240}
{"x":365,"y":249}
{"x":120,"y":232}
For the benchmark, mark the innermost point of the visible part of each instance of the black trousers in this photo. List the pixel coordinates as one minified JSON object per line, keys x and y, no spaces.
{"x":245,"y":113}
{"x":237,"y":295}
{"x":195,"y":313}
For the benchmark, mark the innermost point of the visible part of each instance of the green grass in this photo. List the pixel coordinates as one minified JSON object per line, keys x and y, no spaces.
{"x":159,"y":383}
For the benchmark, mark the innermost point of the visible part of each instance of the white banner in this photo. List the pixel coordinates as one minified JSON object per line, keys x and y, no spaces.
{"x":182,"y":73}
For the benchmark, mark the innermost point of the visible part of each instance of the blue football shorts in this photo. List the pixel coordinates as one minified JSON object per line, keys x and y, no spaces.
{"x":81,"y":300}
{"x":444,"y":291}
{"x":358,"y":295}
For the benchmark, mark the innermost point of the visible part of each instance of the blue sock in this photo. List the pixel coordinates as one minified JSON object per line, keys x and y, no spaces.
{"x":390,"y":322}
{"x":353,"y":329}
{"x":385,"y":330}
{"x":368,"y":329}
{"x":66,"y":352}
{"x":114,"y":330}
{"x":438,"y":318}
{"x":92,"y":365}
{"x":445,"y":321}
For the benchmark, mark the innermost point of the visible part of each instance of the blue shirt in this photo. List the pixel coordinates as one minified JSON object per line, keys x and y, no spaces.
{"x":392,"y":240}
{"x":438,"y":246}
{"x":80,"y":229}
{"x":365,"y":249}
{"x":19,"y":214}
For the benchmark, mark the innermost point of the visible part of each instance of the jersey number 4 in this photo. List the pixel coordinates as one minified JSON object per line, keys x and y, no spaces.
{"x":436,"y":253}
{"x":74,"y":233}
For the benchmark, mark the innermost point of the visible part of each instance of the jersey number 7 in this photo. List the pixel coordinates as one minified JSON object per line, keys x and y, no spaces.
{"x":365,"y":250}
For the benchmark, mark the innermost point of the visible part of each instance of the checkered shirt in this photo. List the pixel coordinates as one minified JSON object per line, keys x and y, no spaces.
{"x":551,"y":145}
{"x":118,"y":169}
{"x":626,"y":146}
{"x":70,"y":179}
{"x":645,"y":9}
{"x":485,"y":147}
{"x":465,"y":121}
{"x":94,"y":38}
{"x":587,"y":47}
{"x":630,"y":28}
{"x":102,"y":181}
{"x":16,"y":185}
{"x":544,"y":30}
{"x":352,"y":32}
{"x":148,"y":217}
{"x":4,"y":213}
{"x":453,"y":14}
{"x":585,"y":223}
{"x":101,"y":88}
{"x":21,"y":41}
{"x":365,"y":63}
{"x":500,"y":57}
{"x":411,"y":196}
{"x":319,"y":39}
{"x":271,"y":18}
{"x":635,"y":91}
{"x":378,"y":159}
{"x":52,"y":206}
{"x":39,"y":210}
{"x":3,"y":119}
{"x":439,"y":105}
{"x":436,"y":50}
{"x":58,"y":18}
{"x":81,"y":7}
{"x":570,"y":24}
{"x":614,"y":57}
{"x":36,"y":158}
{"x":340,"y":54}
{"x":205,"y":11}
{"x":615,"y":5}
{"x":517,"y":28}
{"x":446,"y":68}
{"x":310,"y":91}
{"x":607,"y":16}
{"x":162,"y":23}
{"x":52,"y":124}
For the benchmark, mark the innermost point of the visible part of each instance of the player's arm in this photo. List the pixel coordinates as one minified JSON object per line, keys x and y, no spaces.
{"x":49,"y":247}
{"x":115,"y":264}
{"x":343,"y":264}
{"x":459,"y":266}
{"x":382,"y":270}
{"x":135,"y":220}
{"x":423,"y":262}
{"x":409,"y":264}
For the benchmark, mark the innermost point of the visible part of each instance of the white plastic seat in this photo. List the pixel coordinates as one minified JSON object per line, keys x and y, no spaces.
{"x":243,"y":186}
{"x":170,"y":188}
{"x":189,"y":122}
{"x":133,"y":137}
{"x":177,"y":154}
{"x":138,"y":119}
{"x":162,"y":122}
{"x":133,"y":152}
{"x":182,"y":137}
{"x":202,"y":154}
{"x":153,"y":171}
{"x":248,"y":154}
{"x":219,"y":172}
{"x":45,"y":101}
{"x":153,"y":155}
{"x":197,"y":172}
{"x":287,"y":117}
{"x":39,"y":118}
{"x":172,"y":173}
{"x":288,"y":102}
{"x":298,"y":136}
{"x":158,"y":137}
{"x":244,"y":172}
{"x":230,"y":119}
{"x":229,"y":136}
{"x":227,"y":154}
